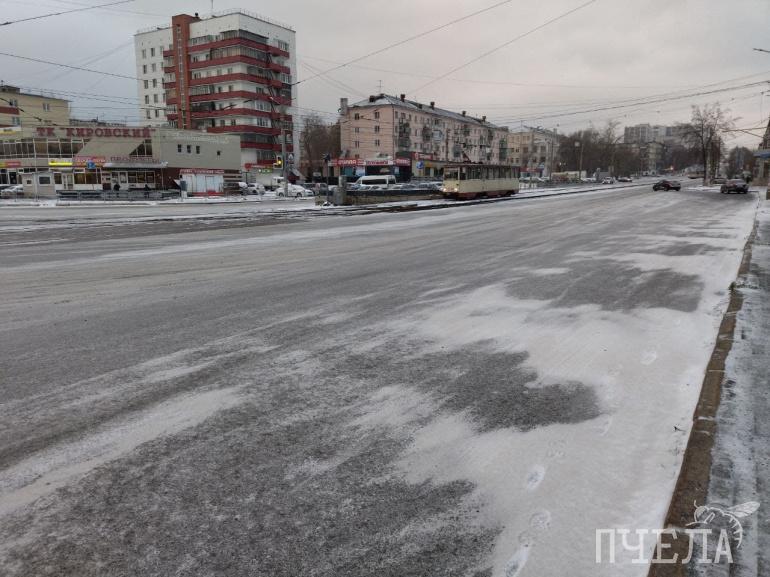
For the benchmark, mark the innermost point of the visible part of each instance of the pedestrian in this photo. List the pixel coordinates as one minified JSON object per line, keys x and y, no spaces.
{"x":146,"y":191}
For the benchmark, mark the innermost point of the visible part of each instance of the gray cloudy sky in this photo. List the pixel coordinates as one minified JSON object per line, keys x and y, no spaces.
{"x":610,"y":51}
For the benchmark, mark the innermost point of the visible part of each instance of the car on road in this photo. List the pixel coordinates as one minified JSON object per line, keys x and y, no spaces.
{"x":608,"y":180}
{"x":625,"y":179}
{"x":667,"y":185}
{"x":737,"y":185}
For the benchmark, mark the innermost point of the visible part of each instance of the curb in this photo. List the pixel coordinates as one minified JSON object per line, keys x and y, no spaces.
{"x":695,"y":471}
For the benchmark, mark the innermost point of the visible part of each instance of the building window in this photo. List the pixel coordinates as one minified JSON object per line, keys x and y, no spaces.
{"x":144,"y":68}
{"x":357,"y":129}
{"x":15,"y":120}
{"x":377,"y":114}
{"x":197,"y":150}
{"x":377,"y":143}
{"x":155,"y":98}
{"x":152,"y":52}
{"x":146,"y":84}
{"x":47,"y":106}
{"x":229,"y":87}
{"x":179,"y":148}
{"x":144,"y":53}
{"x":157,"y":113}
{"x":147,"y":113}
{"x":154,"y":82}
{"x":377,"y":129}
{"x":146,"y":98}
{"x":356,"y":116}
{"x":189,"y":149}
{"x":154,"y":67}
{"x":219,"y":153}
{"x":357,"y":144}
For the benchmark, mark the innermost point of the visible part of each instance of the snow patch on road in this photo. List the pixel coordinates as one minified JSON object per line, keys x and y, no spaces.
{"x":59,"y":465}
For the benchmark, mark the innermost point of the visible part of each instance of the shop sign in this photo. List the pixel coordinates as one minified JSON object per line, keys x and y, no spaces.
{"x":89,"y":160}
{"x":134,"y":160}
{"x":201,"y":171}
{"x":60,"y":162}
{"x":346,"y":162}
{"x":89,"y":132}
{"x":10,"y":163}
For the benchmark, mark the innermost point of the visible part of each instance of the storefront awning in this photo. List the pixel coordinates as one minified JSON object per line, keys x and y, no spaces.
{"x":108,"y":148}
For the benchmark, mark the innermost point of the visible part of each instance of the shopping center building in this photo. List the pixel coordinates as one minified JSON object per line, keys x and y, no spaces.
{"x":90,"y":158}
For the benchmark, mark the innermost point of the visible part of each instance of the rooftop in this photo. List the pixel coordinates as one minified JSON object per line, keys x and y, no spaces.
{"x":221,"y":14}
{"x":10,"y":89}
{"x":388,"y":100}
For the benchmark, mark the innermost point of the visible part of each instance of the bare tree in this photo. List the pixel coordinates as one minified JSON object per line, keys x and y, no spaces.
{"x":704,"y":131}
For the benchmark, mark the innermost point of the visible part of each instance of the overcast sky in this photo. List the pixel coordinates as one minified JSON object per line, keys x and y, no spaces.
{"x":610,"y":51}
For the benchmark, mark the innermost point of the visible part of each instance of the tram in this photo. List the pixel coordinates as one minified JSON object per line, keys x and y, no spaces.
{"x":466,"y":181}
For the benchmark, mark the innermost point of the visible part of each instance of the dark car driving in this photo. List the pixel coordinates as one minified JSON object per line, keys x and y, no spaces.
{"x":735,"y":185}
{"x":667,"y":185}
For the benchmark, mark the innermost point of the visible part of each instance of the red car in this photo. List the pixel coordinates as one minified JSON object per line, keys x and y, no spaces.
{"x":667,"y":185}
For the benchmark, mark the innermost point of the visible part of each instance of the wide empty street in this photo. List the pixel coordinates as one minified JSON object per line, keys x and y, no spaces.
{"x":471,"y":391}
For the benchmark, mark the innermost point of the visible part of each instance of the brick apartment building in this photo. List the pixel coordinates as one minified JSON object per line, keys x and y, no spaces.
{"x":229,"y":72}
{"x":417,"y":137}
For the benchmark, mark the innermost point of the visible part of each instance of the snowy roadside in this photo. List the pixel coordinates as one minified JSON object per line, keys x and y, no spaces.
{"x":740,"y":468}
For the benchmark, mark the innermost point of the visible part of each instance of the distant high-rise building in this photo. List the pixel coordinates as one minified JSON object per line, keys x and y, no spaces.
{"x":228,"y":73}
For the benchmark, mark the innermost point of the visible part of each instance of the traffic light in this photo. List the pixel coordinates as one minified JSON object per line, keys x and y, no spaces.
{"x":278,"y":161}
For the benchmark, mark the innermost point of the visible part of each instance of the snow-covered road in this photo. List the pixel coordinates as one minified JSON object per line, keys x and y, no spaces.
{"x":468,"y":392}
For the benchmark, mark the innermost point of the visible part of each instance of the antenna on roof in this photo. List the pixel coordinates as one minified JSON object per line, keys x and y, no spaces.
{"x":212,"y":6}
{"x":380,"y":90}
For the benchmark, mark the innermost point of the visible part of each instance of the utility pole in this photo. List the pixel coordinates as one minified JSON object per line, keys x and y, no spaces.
{"x":284,"y":162}
{"x":283,"y":148}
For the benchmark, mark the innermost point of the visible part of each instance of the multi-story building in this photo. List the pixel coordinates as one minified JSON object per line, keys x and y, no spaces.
{"x":535,"y":150}
{"x":19,"y":108}
{"x":96,"y":157}
{"x":644,"y":133}
{"x":230,"y":72}
{"x":414,"y":137}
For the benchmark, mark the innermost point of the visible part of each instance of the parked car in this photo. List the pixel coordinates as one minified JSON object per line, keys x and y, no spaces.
{"x":251,"y":188}
{"x":296,"y":190}
{"x":667,"y":185}
{"x":608,"y":180}
{"x":735,"y":185}
{"x":625,"y":179}
{"x":12,"y":191}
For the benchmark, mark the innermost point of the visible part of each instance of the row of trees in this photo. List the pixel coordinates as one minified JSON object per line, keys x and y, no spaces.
{"x":317,"y":139}
{"x":702,"y":144}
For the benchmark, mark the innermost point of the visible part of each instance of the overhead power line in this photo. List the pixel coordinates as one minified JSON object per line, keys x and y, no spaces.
{"x":407,"y":40}
{"x":68,"y":66}
{"x":64,"y":12}
{"x":508,"y":43}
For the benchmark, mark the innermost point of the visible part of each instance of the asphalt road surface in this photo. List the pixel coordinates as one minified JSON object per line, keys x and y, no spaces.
{"x":469,"y":391}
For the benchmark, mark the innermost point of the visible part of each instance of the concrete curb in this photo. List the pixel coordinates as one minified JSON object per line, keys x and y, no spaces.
{"x":695,"y":472}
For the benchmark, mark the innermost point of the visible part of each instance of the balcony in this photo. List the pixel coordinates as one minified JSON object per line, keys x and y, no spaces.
{"x":228,"y":78}
{"x":238,"y":58}
{"x":229,"y":112}
{"x":228,"y":42}
{"x":241,"y":128}
{"x":275,"y":51}
{"x":236,"y":94}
